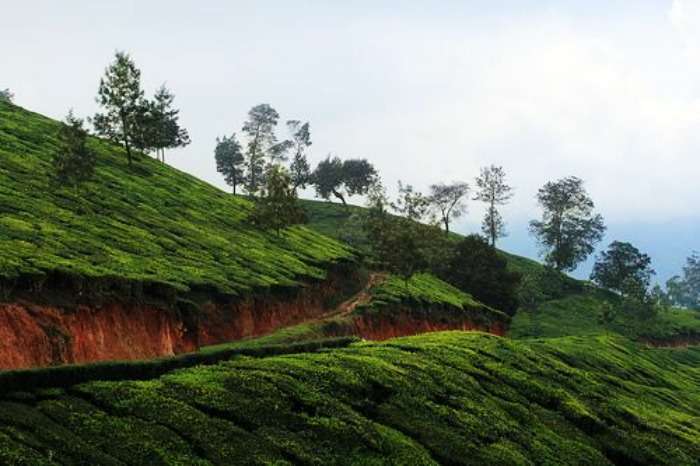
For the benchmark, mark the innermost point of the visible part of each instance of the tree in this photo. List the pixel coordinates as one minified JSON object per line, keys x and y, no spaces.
{"x":121,"y":97}
{"x":6,"y":96}
{"x":411,"y":204}
{"x":447,"y":200}
{"x":569,"y":230}
{"x":229,"y":160}
{"x":166,"y":129}
{"x":300,"y":142}
{"x":277,"y":207}
{"x":685,"y":291}
{"x":477,"y":268}
{"x":358,"y":176}
{"x":73,"y":162}
{"x":262,"y":144}
{"x":328,"y":178}
{"x":334,"y":177}
{"x":619,"y":265}
{"x":400,"y":244}
{"x":493,"y":190}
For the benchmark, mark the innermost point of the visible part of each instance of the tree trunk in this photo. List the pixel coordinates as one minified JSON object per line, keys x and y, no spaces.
{"x":493,"y":227}
{"x":340,"y":196}
{"x":126,"y":138}
{"x":128,"y":150}
{"x":446,"y":220}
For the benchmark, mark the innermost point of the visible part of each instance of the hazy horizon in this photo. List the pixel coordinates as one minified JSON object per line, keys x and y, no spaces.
{"x":607,"y":91}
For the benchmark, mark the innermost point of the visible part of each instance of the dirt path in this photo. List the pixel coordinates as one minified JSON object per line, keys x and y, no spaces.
{"x":361,"y":297}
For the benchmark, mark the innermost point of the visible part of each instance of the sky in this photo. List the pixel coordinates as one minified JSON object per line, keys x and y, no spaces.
{"x":429,"y":91}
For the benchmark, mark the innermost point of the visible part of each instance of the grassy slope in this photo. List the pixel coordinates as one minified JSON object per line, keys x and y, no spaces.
{"x":442,"y":398}
{"x":575,"y":312}
{"x":578,"y":315}
{"x":421,"y":292}
{"x":150,"y":223}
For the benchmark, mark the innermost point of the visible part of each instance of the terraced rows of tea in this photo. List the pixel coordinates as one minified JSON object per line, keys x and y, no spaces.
{"x":441,"y":398}
{"x":149,"y":223}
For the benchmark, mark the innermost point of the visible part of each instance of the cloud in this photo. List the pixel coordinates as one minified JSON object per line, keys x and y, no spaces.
{"x":684,"y":16}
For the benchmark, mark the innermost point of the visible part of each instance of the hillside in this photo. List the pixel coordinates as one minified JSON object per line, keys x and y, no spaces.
{"x":568,"y":307}
{"x":146,"y":261}
{"x":440,"y":398}
{"x":150,"y":224}
{"x":140,"y":262}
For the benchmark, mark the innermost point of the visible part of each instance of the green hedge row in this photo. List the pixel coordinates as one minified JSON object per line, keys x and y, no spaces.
{"x":68,"y":375}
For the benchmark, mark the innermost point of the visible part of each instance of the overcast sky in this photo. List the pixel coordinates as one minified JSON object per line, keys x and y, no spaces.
{"x":429,"y":91}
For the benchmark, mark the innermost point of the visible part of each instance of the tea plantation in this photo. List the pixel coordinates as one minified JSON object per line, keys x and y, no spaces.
{"x":441,"y":398}
{"x":150,"y":223}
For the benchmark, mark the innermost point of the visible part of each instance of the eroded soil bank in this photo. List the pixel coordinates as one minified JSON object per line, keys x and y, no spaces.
{"x":39,"y":334}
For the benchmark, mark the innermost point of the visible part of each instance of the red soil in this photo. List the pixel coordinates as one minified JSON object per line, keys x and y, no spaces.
{"x":403,"y":323}
{"x":33,"y":335}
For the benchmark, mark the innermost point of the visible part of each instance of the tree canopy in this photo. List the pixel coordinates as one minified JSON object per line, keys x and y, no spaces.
{"x":685,"y":290}
{"x":300,"y":170}
{"x":342,"y":179}
{"x":277,"y":205}
{"x":263,"y":150}
{"x":493,"y":190}
{"x":229,"y":160}
{"x":73,"y":162}
{"x":121,"y":97}
{"x":448,"y":201}
{"x":569,"y":228}
{"x":6,"y":95}
{"x":477,"y":268}
{"x":622,"y":268}
{"x":158,"y":127}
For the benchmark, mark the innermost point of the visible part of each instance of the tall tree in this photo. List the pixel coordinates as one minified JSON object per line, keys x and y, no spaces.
{"x":262,"y":144}
{"x":6,"y":96}
{"x":358,"y":176}
{"x":685,"y":291}
{"x":300,"y":143}
{"x":494,"y":191}
{"x":328,"y":178}
{"x":277,"y":207}
{"x":230,"y":160}
{"x":569,"y":229}
{"x":411,"y":204}
{"x":619,"y":266}
{"x":333,"y":176}
{"x":120,"y":96}
{"x":448,"y":201}
{"x":168,"y":134}
{"x":73,"y":162}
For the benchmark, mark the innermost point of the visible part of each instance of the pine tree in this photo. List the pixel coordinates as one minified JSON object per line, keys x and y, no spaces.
{"x":121,"y":97}
{"x":300,"y":142}
{"x":277,"y":207}
{"x":73,"y":162}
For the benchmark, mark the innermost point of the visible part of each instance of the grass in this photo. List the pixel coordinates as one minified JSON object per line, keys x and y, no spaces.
{"x":441,"y":398}
{"x":577,"y":315}
{"x":425,"y":292}
{"x":148,"y":224}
